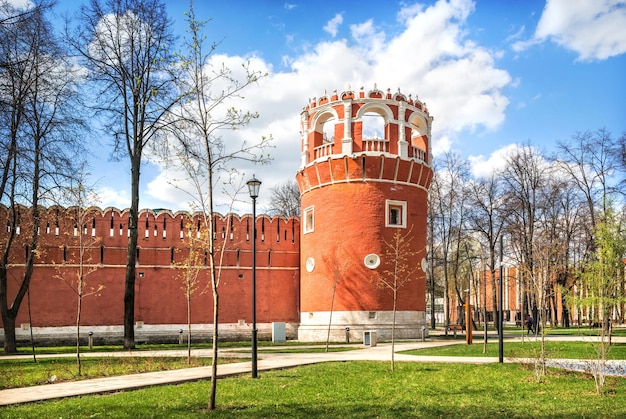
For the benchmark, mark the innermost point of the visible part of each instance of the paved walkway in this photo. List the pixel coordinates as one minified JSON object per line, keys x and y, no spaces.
{"x":266,"y":361}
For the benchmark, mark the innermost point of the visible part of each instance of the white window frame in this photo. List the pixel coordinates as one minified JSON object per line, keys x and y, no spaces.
{"x":306,"y":226}
{"x":389,"y":206}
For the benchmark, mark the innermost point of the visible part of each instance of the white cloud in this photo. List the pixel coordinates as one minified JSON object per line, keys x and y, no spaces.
{"x":333,"y":25}
{"x":110,"y":197}
{"x":442,"y":145}
{"x":516,"y":35}
{"x":592,"y":29}
{"x":431,"y":56}
{"x":434,"y":58}
{"x":483,"y":167}
{"x":368,"y":39}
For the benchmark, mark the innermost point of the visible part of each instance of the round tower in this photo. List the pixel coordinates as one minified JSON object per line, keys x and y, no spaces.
{"x":364,"y":178}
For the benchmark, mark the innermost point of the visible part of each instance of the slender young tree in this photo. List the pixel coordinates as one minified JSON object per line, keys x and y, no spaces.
{"x":197,"y":148}
{"x":125,"y":46}
{"x":399,"y":268}
{"x":191,"y":265}
{"x":79,"y":198}
{"x":604,"y":277}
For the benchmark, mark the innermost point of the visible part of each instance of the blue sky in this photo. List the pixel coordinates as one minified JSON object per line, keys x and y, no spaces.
{"x":493,"y":73}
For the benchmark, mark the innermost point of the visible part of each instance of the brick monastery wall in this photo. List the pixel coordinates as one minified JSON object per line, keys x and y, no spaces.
{"x":163,"y":245}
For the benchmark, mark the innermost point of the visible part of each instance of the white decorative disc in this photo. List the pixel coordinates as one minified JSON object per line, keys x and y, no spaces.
{"x":372,"y":261}
{"x":310,"y":264}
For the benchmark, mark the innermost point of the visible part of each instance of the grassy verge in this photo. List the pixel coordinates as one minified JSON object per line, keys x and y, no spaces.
{"x":618,"y":331}
{"x":527,"y":349}
{"x":24,"y":372}
{"x":44,"y":350}
{"x":360,"y":390}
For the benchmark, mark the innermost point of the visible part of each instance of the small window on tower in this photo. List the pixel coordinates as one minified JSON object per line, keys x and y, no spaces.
{"x":309,"y":220}
{"x":395,"y":214}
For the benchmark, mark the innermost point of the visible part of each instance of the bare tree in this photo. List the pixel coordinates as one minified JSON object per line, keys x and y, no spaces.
{"x":285,"y":199}
{"x":399,"y":268}
{"x":80,"y":198}
{"x":448,"y":207}
{"x":591,"y":159}
{"x":190,"y":268}
{"x":124,"y":44}
{"x":39,"y":135}
{"x":197,"y":147}
{"x":593,"y":162}
{"x":620,"y":151}
{"x":433,"y":249}
{"x":487,"y":217}
{"x":526,"y":176}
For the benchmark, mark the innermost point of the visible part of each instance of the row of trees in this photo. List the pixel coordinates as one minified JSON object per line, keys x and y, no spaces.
{"x":112,"y":74}
{"x":557,"y":215}
{"x":560,"y":217}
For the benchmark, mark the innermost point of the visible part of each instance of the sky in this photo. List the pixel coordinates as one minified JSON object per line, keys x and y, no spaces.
{"x":492,"y":73}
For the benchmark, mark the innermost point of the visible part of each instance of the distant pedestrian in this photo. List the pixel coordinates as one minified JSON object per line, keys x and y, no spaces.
{"x":529,"y":324}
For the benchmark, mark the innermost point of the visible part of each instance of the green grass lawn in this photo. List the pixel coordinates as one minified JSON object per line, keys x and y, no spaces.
{"x":359,"y":390}
{"x":25,"y":372}
{"x":527,"y":349}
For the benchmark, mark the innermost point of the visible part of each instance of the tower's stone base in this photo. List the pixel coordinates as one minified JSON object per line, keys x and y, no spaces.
{"x":314,"y":326}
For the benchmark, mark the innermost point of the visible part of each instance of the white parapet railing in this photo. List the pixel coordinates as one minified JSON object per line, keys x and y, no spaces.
{"x":419,"y":154}
{"x":376,"y":145}
{"x":323,"y":150}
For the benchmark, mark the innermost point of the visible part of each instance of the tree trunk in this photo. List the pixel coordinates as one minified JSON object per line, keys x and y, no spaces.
{"x":393,"y":331}
{"x":78,"y":311}
{"x":213,"y":391}
{"x":9,"y":315}
{"x":188,"y":324}
{"x":10,"y":343}
{"x":131,"y":257}
{"x":494,"y":299}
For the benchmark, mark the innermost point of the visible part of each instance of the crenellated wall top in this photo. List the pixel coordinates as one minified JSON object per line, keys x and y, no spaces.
{"x":59,"y":226}
{"x":155,"y":213}
{"x":375,"y":93}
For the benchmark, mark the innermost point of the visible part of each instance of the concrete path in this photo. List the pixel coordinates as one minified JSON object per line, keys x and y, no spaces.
{"x":266,"y":361}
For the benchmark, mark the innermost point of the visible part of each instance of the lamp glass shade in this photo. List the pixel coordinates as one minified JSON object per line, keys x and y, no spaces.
{"x":254,"y":185}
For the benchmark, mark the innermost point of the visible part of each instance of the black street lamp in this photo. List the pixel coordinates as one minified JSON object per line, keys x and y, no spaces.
{"x":253,"y":187}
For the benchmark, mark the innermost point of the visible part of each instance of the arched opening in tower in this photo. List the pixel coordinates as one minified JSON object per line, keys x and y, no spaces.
{"x":373,"y":126}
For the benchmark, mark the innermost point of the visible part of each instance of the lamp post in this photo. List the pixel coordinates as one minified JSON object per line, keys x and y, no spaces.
{"x":253,"y":187}
{"x":468,"y":315}
{"x":501,"y":305}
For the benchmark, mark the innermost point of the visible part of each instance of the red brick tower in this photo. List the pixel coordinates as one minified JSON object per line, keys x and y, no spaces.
{"x":364,"y":175}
